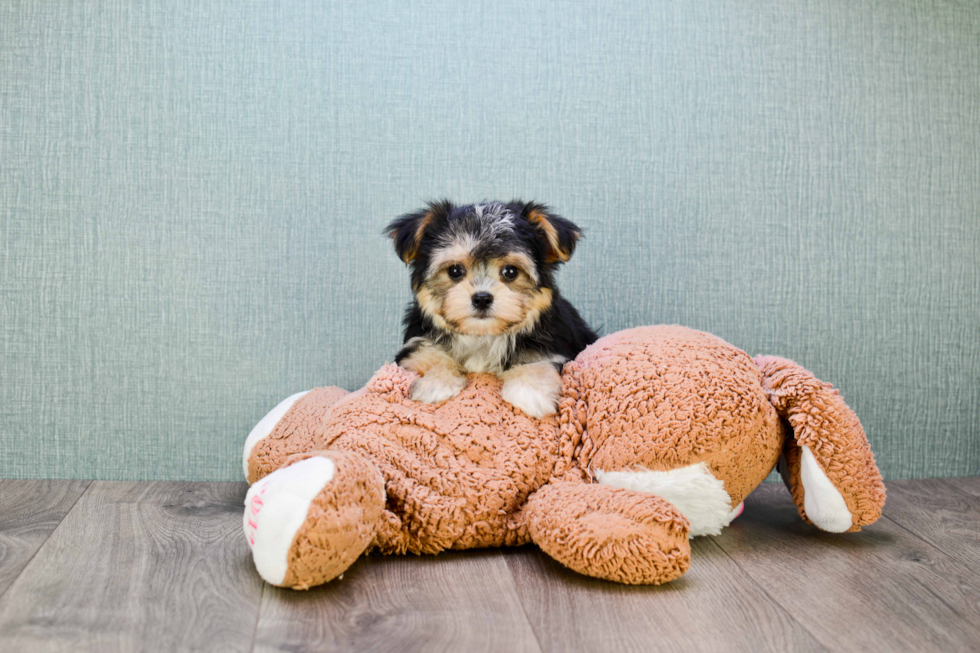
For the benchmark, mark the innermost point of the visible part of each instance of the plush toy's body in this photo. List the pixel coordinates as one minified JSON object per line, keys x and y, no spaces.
{"x":661,"y":433}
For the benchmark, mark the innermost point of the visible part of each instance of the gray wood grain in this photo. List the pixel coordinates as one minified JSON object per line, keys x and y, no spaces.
{"x":715,"y":606}
{"x":942,"y":512}
{"x":29,"y":513}
{"x":139,"y":566}
{"x":884,"y":588}
{"x":450,"y":602}
{"x":967,"y":484}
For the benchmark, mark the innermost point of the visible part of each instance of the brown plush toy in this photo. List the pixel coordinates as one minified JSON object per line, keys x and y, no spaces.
{"x":661,"y":433}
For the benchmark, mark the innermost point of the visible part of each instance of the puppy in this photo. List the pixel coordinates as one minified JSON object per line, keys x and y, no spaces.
{"x":486,"y":300}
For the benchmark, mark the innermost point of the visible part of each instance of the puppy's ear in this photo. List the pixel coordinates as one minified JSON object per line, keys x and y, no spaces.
{"x":558,"y":234}
{"x":406,"y":231}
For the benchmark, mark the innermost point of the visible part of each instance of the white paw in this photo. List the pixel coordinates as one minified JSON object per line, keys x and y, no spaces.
{"x":434,"y":388}
{"x":275,"y":509}
{"x":535,"y":399}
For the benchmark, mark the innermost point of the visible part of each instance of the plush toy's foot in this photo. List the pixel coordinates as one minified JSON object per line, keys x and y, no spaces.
{"x":613,"y":533}
{"x":827,"y":463}
{"x":310,"y":520}
{"x":287,"y":429}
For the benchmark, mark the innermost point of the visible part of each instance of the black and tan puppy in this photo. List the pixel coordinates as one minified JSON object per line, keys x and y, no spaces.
{"x":486,"y":301}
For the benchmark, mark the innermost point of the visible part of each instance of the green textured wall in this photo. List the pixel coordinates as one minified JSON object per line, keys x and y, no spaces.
{"x":191,"y":200}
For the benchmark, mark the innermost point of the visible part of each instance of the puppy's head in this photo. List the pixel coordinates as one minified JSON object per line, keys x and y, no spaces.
{"x":483,"y":269}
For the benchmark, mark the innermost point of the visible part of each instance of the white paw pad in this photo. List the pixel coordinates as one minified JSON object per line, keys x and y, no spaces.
{"x":276,"y":508}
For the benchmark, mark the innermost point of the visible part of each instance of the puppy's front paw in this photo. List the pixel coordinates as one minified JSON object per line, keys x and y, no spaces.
{"x":434,"y":388}
{"x":533,"y":388}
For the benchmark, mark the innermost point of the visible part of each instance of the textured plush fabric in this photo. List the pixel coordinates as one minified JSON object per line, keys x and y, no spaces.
{"x":294,"y":433}
{"x":822,"y":421}
{"x":457,"y":473}
{"x":628,"y":537}
{"x":192,"y":195}
{"x":664,"y":397}
{"x":342,"y":522}
{"x":474,"y":471}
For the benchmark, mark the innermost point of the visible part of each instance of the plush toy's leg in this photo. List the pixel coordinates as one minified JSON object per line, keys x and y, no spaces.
{"x":827,"y":463}
{"x":612,"y":533}
{"x":309,"y":521}
{"x":287,"y":429}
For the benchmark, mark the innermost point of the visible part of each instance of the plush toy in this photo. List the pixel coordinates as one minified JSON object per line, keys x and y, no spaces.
{"x":660,"y":435}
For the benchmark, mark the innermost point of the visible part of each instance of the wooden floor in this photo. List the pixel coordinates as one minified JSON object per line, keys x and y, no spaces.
{"x":120,"y":566}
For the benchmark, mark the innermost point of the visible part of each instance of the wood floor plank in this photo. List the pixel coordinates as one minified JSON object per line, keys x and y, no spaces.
{"x":938,"y":512}
{"x":29,"y":513}
{"x":881,"y":589}
{"x":139,"y":566}
{"x":450,"y":602}
{"x":965,"y":484}
{"x":715,"y":606}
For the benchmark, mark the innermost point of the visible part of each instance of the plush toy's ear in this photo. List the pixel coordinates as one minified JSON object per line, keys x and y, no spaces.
{"x":406,"y":231}
{"x":558,"y":234}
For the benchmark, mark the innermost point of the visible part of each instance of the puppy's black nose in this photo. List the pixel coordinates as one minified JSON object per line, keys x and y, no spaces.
{"x":482,"y":300}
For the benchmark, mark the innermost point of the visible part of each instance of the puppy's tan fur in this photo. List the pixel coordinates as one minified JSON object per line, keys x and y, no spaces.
{"x":439,"y":376}
{"x":517,"y":304}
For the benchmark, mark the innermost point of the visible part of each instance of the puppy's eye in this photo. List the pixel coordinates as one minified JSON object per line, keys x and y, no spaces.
{"x":456,"y":272}
{"x":509,"y":273}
